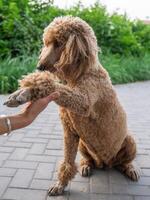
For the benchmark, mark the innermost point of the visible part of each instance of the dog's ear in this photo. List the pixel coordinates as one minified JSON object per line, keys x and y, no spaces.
{"x":74,"y":54}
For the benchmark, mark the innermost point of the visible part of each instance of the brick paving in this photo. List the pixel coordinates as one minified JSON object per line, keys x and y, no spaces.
{"x":29,"y":157}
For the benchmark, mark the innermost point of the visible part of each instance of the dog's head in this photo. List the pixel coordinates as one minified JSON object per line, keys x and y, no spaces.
{"x":70,"y":47}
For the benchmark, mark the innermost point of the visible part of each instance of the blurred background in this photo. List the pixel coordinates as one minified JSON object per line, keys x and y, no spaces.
{"x":122,"y":28}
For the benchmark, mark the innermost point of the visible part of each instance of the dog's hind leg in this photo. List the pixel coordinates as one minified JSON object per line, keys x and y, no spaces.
{"x":124,"y":158}
{"x":86,"y":162}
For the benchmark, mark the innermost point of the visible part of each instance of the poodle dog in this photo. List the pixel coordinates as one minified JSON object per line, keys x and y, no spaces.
{"x":93,"y":119}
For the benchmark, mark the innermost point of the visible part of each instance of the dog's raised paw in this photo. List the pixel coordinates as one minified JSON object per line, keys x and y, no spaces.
{"x":56,"y":190}
{"x":18,"y":98}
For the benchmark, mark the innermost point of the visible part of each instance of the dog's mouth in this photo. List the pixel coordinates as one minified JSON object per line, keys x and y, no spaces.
{"x":43,"y":68}
{"x":52,"y":69}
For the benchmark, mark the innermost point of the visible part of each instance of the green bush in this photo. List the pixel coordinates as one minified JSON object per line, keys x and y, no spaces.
{"x":22,"y":23}
{"x":122,"y":39}
{"x":142,"y":34}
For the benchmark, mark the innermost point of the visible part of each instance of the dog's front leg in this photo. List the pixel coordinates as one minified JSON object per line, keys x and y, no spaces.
{"x":68,"y":168}
{"x":41,"y":84}
{"x":33,"y":87}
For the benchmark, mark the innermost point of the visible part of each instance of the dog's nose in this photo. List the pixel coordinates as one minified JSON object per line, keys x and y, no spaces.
{"x":41,"y":67}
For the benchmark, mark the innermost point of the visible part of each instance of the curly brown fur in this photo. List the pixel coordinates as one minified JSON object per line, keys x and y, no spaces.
{"x":66,"y":171}
{"x":89,"y":107}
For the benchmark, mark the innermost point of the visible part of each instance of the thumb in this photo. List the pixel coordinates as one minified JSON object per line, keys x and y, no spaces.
{"x":53,"y":96}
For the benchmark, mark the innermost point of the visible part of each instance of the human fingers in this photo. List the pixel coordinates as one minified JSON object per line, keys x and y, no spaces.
{"x":52,"y":96}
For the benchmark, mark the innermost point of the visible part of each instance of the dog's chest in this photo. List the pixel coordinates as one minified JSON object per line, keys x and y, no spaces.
{"x":76,"y":123}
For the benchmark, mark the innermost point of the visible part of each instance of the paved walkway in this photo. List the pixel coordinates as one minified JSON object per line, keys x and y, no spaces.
{"x":29,"y":157}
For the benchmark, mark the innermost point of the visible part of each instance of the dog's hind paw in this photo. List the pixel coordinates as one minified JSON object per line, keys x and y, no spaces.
{"x":19,"y":97}
{"x":56,"y":190}
{"x":133,"y":174}
{"x":131,"y":171}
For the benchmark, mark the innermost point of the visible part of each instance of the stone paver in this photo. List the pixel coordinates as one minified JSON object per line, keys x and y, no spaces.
{"x":22,"y":178}
{"x":29,"y":157}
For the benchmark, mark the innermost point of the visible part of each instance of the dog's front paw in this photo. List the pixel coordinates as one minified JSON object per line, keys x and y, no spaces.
{"x":19,"y":97}
{"x":56,"y":190}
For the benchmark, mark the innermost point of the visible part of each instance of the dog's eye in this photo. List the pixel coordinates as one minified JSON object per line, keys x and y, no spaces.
{"x":57,"y":44}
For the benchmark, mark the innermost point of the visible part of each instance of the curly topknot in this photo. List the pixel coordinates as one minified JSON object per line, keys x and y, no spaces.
{"x":62,"y":27}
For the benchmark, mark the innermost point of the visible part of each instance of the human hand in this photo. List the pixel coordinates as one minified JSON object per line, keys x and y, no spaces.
{"x":32,"y":109}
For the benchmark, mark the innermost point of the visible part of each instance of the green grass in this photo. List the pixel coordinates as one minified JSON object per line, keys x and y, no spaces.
{"x":12,"y":69}
{"x":121,"y":69}
{"x":127,"y":69}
